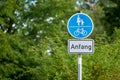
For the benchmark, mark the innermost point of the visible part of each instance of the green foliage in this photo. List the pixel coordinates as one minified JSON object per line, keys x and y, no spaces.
{"x":116,"y":34}
{"x":23,"y":60}
{"x":8,"y":15}
{"x":104,"y":64}
{"x":112,"y":15}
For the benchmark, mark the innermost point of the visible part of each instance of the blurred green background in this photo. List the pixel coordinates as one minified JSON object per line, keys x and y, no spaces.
{"x":33,"y":40}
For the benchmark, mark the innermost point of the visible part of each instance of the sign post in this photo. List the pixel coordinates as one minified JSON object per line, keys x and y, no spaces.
{"x":80,"y":26}
{"x":79,"y":66}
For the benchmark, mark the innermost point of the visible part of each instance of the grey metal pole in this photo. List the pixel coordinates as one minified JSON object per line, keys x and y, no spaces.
{"x":79,"y":66}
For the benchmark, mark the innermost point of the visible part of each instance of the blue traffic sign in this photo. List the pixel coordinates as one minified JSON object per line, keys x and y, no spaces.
{"x":80,"y":25}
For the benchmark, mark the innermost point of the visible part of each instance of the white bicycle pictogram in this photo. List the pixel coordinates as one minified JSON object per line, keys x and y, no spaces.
{"x":80,"y":31}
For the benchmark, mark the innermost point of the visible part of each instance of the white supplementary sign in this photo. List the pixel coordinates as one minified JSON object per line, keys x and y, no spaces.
{"x":81,"y":46}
